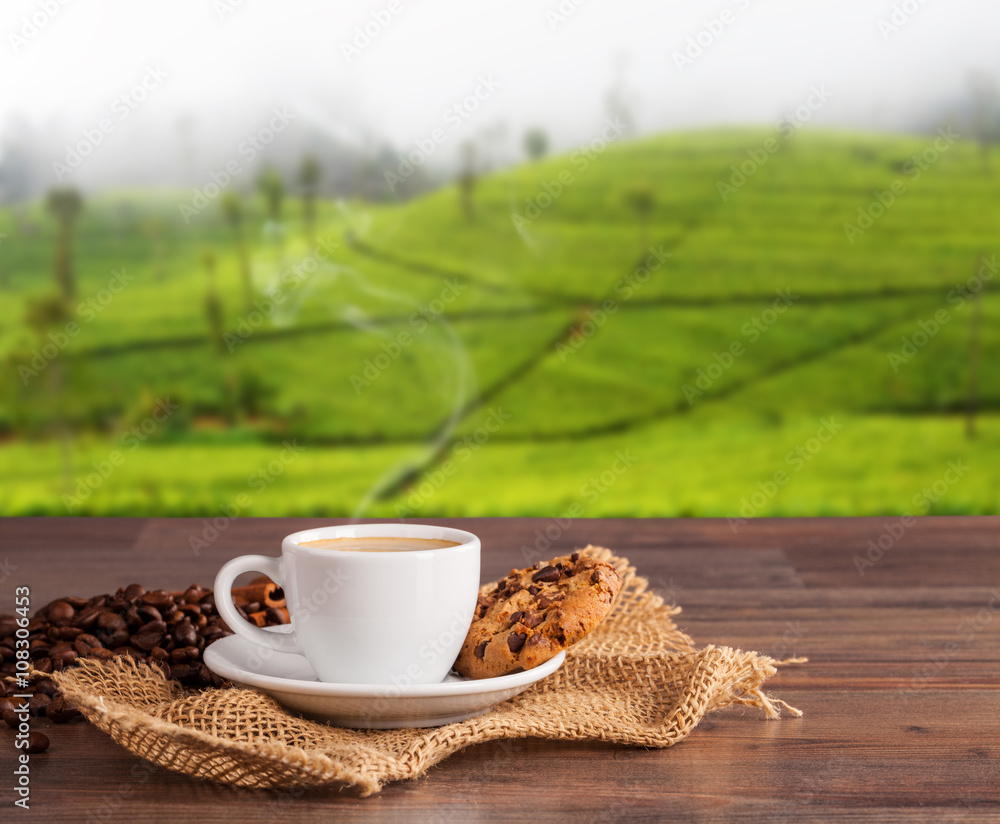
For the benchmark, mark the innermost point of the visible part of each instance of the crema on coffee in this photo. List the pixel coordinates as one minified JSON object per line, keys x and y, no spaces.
{"x":349,"y":544}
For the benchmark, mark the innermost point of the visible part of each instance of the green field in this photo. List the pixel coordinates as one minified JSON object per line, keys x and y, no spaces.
{"x":685,"y":363}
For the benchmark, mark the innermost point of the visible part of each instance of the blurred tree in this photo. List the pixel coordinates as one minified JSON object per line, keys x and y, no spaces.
{"x":232,"y":209}
{"x":272,"y":186}
{"x":985,"y":96}
{"x":64,"y":205}
{"x":491,"y":140}
{"x":641,"y":196}
{"x":536,"y":143}
{"x":309,"y":174}
{"x":620,"y":101}
{"x":152,"y":227}
{"x":975,"y":355}
{"x":52,"y":313}
{"x":213,"y":305}
{"x":467,"y":179}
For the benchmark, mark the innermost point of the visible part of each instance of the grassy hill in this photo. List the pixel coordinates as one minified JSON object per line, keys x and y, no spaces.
{"x":427,"y":363}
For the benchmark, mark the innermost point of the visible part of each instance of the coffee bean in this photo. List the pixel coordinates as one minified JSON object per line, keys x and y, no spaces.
{"x":157,"y":598}
{"x":111,"y":629}
{"x":516,"y":640}
{"x":37,"y":703}
{"x":11,"y":719}
{"x":149,"y":635}
{"x":148,"y":613}
{"x":184,"y":672}
{"x":59,"y":711}
{"x":39,"y":648}
{"x":185,"y":634}
{"x":60,"y":611}
{"x":46,"y":685}
{"x":59,"y":648}
{"x":168,"y":631}
{"x":5,"y":705}
{"x":132,"y":618}
{"x":37,"y":742}
{"x":85,"y":643}
{"x":87,"y":618}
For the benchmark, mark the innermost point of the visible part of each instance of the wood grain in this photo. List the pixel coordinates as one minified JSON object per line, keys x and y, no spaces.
{"x":901,"y":695}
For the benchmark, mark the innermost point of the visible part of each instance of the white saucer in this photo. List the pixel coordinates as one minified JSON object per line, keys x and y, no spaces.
{"x":290,"y":679}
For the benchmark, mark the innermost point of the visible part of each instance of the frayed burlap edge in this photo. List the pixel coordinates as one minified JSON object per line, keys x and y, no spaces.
{"x":636,"y":680}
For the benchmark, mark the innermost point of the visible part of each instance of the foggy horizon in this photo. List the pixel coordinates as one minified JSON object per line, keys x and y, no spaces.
{"x":375,"y":79}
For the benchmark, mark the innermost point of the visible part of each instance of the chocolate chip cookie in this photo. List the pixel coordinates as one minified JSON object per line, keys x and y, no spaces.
{"x":532,"y":614}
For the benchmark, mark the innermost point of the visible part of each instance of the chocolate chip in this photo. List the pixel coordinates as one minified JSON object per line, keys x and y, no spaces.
{"x":516,"y":640}
{"x":531,"y":619}
{"x":575,"y":557}
{"x":533,"y":590}
{"x":546,"y":575}
{"x":480,"y":650}
{"x":595,"y":576}
{"x":517,"y":616}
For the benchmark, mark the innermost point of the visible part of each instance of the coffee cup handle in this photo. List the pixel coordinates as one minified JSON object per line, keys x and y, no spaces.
{"x":280,"y":641}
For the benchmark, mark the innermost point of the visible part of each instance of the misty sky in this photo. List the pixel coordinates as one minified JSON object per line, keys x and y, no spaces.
{"x":230,"y":62}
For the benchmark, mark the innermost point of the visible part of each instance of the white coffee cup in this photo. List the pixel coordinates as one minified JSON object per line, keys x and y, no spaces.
{"x":370,"y":617}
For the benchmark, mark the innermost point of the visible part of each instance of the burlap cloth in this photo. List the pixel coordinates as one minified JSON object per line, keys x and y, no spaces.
{"x":636,"y":680}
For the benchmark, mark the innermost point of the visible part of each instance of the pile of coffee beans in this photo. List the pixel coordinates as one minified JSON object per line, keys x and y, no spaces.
{"x":168,"y":630}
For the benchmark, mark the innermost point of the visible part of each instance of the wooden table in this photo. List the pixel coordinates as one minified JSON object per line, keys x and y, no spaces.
{"x":901,"y":695}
